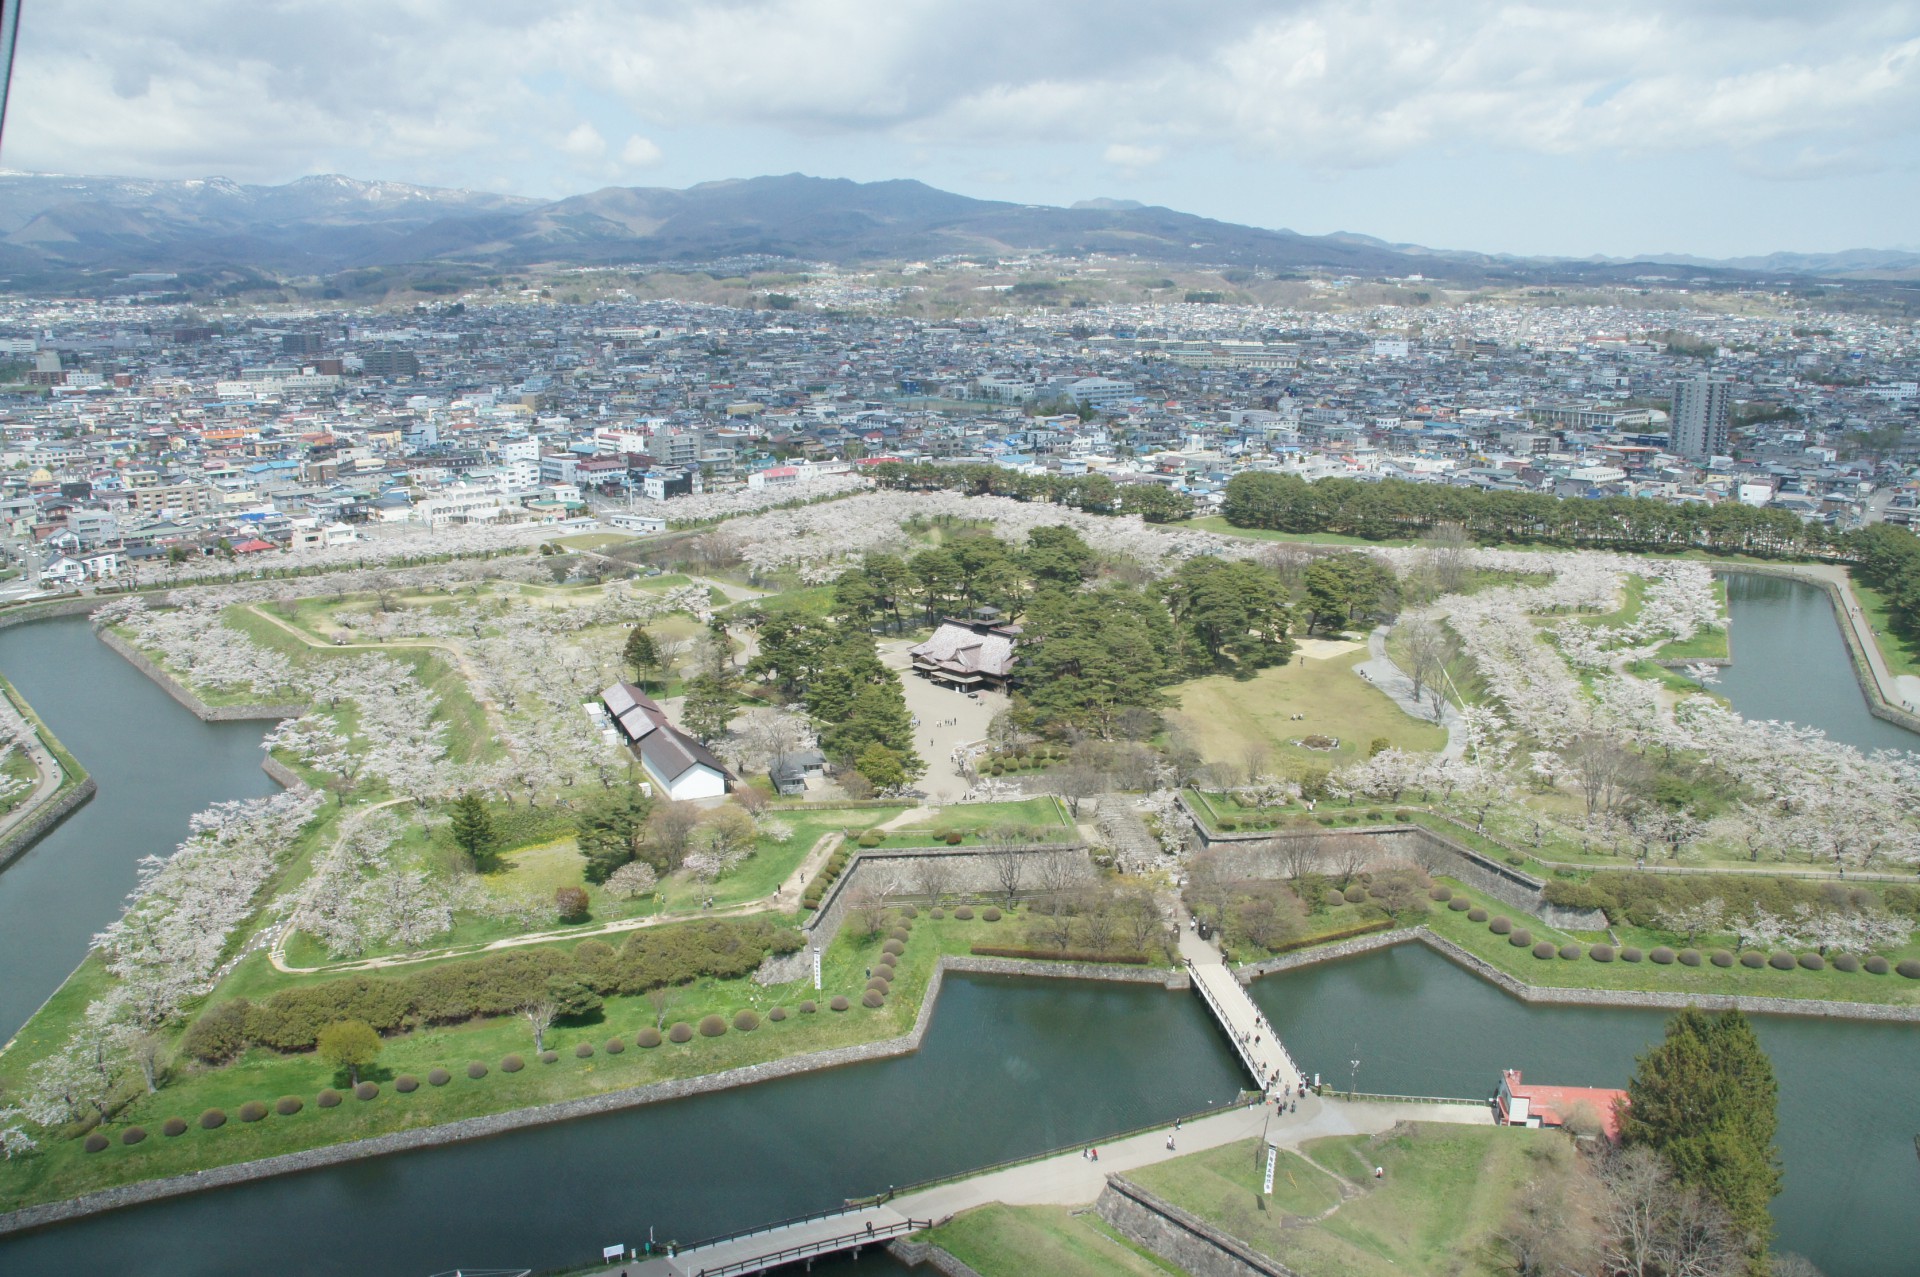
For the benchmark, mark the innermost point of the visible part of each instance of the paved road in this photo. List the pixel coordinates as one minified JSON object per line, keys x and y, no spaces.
{"x":1380,"y":670}
{"x":48,"y":773}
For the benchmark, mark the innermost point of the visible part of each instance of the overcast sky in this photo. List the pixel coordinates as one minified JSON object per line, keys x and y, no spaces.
{"x":1717,"y":127}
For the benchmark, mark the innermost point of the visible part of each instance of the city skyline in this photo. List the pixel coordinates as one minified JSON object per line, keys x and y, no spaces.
{"x":1656,"y":127}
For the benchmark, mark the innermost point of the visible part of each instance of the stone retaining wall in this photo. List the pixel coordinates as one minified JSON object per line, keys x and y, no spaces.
{"x":194,"y":705}
{"x":914,"y":1254}
{"x":1186,"y":1241}
{"x":1326,"y":953}
{"x":973,"y":874}
{"x":32,"y":612}
{"x":43,"y":820}
{"x":283,"y":775}
{"x":973,"y":964}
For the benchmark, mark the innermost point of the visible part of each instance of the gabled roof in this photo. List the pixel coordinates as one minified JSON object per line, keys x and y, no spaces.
{"x":668,"y":752}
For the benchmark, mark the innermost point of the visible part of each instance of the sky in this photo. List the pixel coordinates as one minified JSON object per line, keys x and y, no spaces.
{"x":1566,"y":127}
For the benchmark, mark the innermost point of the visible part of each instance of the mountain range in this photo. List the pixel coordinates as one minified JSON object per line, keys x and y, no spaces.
{"x":316,"y":226}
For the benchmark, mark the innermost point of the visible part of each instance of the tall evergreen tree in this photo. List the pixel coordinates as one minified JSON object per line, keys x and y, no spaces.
{"x":1706,"y":1100}
{"x":610,"y":830}
{"x":472,"y":826}
{"x":640,"y":653}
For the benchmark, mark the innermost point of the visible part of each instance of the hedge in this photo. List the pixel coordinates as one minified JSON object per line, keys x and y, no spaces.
{"x":1520,"y":939}
{"x":746,"y":1021}
{"x":1476,"y":914}
{"x":1689,"y":957}
{"x":1630,"y":954}
{"x":584,"y":1051}
{"x":288,"y":1105}
{"x":476,"y":1070}
{"x":838,"y":1004}
{"x":328,"y":1099}
{"x":990,"y":914}
{"x":1053,"y":955}
{"x":1661,"y":955}
{"x":133,"y":1135}
{"x":893,"y":946}
{"x":549,"y":1057}
{"x":964,"y":913}
{"x":1459,"y":904}
{"x":1500,"y":926}
{"x":1813,"y":962}
{"x":1877,"y":965}
{"x":512,"y":1064}
{"x":1545,"y":949}
{"x":366,"y":1091}
{"x":1910,"y":968}
{"x":212,"y":1120}
{"x":252,"y":1111}
{"x":1720,"y":958}
{"x":1753,"y":959}
{"x":1347,"y":933}
{"x":898,"y":933}
{"x":95,"y":1143}
{"x":777,"y":1014}
{"x":1354,"y":895}
{"x":1783,"y":961}
{"x":1440,"y":893}
{"x":614,"y":1046}
{"x":406,"y":1084}
{"x":438,"y":1077}
{"x":499,"y":983}
{"x":807,"y":1007}
{"x":1846,"y":962}
{"x":712,"y":1026}
{"x":173,"y":1126}
{"x":648,"y":1038}
{"x":681,"y":1032}
{"x":1570,"y":951}
{"x":873,"y":1000}
{"x":1601,"y":953}
{"x":877,"y":984}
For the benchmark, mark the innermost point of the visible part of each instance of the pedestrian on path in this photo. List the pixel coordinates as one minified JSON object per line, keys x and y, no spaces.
{"x":1095,"y":1152}
{"x":1169,"y":1143}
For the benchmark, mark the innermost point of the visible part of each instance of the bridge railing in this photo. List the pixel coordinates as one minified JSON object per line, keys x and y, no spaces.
{"x":820,"y":1246}
{"x":792,"y":1221}
{"x":1242,"y":1049}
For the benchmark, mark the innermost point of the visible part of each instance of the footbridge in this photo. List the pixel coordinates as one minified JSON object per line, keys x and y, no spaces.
{"x":790,"y":1241}
{"x":1260,"y":1050}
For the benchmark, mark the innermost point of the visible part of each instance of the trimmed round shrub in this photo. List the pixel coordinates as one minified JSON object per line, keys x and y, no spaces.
{"x":212,"y":1120}
{"x":898,"y":933}
{"x":1753,"y":959}
{"x":939,"y":914}
{"x":1570,"y":951}
{"x":549,"y":1057}
{"x":327,"y":1099}
{"x":1783,"y":961}
{"x":133,"y":1135}
{"x":173,"y":1126}
{"x":952,"y":839}
{"x":1544,"y":949}
{"x":1846,"y":962}
{"x":1601,"y":953}
{"x":1630,"y":954}
{"x":877,"y":985}
{"x":1459,"y":904}
{"x":476,"y":1070}
{"x":712,"y":1026}
{"x":873,"y":998}
{"x":871,"y":839}
{"x":886,"y":964}
{"x":1813,"y":962}
{"x":288,"y":1105}
{"x":584,"y":1051}
{"x":438,"y":1077}
{"x":990,"y":914}
{"x":252,"y":1111}
{"x":746,"y":1021}
{"x":808,"y":1007}
{"x":1476,"y":914}
{"x":512,"y":1064}
{"x":777,"y":1014}
{"x":964,"y":913}
{"x":1689,"y":957}
{"x":1720,"y":958}
{"x":893,"y":946}
{"x":648,"y":1038}
{"x":838,"y":1004}
{"x":1876,"y":965}
{"x":1662,"y":955}
{"x":1354,"y":895}
{"x":1910,"y":968}
{"x":909,"y":912}
{"x":1521,"y":938}
{"x":615,"y":1046}
{"x":406,"y":1084}
{"x":95,"y":1143}
{"x":365,"y":1091}
{"x":1500,"y":926}
{"x":681,"y":1032}
{"x":1440,"y":893}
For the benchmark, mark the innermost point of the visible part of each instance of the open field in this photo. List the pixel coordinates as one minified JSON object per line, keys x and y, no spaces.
{"x":1015,"y":1241}
{"x":1438,"y":1209}
{"x":1225,"y":716}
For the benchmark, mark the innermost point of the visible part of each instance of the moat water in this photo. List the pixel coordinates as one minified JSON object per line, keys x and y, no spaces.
{"x":1009,"y":1066}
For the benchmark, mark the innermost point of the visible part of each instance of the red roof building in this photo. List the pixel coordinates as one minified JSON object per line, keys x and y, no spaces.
{"x":253,"y":546}
{"x":1524,"y":1104}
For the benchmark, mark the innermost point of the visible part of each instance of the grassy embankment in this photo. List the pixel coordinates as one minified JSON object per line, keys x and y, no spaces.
{"x":1223,"y":716}
{"x":63,"y":1169}
{"x":21,"y":767}
{"x":1900,"y":651}
{"x":1014,"y":1241}
{"x":1445,"y":1195}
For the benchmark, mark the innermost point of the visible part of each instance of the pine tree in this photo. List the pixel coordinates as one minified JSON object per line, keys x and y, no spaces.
{"x":1706,"y":1100}
{"x":640,"y":653}
{"x":472,"y":826}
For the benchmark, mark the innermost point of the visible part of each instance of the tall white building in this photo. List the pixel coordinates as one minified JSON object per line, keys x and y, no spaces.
{"x":1701,"y":407}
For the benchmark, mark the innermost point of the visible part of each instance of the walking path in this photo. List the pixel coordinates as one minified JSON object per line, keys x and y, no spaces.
{"x":1071,"y":1179}
{"x":1380,"y":670}
{"x":1254,"y":1040}
{"x":1900,"y":691}
{"x":48,"y":773}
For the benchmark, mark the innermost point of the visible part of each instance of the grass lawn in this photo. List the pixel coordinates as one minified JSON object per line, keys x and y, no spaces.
{"x":1711,"y":642}
{"x":1218,"y":524}
{"x":1014,"y":1241}
{"x":1225,"y":716}
{"x":771,"y":861}
{"x":62,"y":1169}
{"x":595,"y":540}
{"x":1901,"y":652}
{"x":1634,"y":598}
{"x":1446,"y":1193}
{"x":1585,"y":973}
{"x":1227,"y":1180}
{"x":1044,"y":818}
{"x":1461,"y":669}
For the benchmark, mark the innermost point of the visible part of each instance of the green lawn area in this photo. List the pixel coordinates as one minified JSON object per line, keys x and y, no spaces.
{"x":1224,"y":715}
{"x":1218,"y":524}
{"x":1043,"y":818}
{"x":62,"y":1169}
{"x":1585,"y":973}
{"x":1901,"y":652}
{"x":1634,"y":598}
{"x":1014,"y":1241}
{"x":1710,"y":643}
{"x":1445,"y":1195}
{"x":595,"y":540}
{"x":771,"y":861}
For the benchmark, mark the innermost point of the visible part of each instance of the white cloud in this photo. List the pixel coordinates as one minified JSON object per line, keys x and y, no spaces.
{"x":1130,"y":157}
{"x":640,"y":152}
{"x":584,"y":142}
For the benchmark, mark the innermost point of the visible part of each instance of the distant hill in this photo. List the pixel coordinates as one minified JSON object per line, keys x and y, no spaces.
{"x":326,"y":224}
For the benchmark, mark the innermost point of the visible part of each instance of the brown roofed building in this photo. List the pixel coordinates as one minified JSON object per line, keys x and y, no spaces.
{"x":679,"y":766}
{"x":968,"y":655}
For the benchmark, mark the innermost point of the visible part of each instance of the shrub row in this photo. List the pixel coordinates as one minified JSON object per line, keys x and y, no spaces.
{"x":497,"y":984}
{"x":1058,"y":955}
{"x":823,"y":880}
{"x":1331,"y":937}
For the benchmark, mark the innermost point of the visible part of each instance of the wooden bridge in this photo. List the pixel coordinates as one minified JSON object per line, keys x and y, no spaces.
{"x":1260,"y":1050}
{"x":789,"y":1241}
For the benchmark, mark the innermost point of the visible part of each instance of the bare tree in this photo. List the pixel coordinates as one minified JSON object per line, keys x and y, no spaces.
{"x":1140,"y":913}
{"x":1254,"y":755}
{"x":1347,"y":854}
{"x":867,"y":904}
{"x":148,"y":1052}
{"x":1300,"y":856}
{"x":933,"y":878}
{"x":1448,"y":553}
{"x":662,"y":1000}
{"x":1428,"y":650}
{"x":1604,"y":767}
{"x":1097,"y":908}
{"x":1009,"y":866}
{"x":1659,"y":1228}
{"x":1059,"y":871}
{"x":1075,"y":782}
{"x":540,"y":1014}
